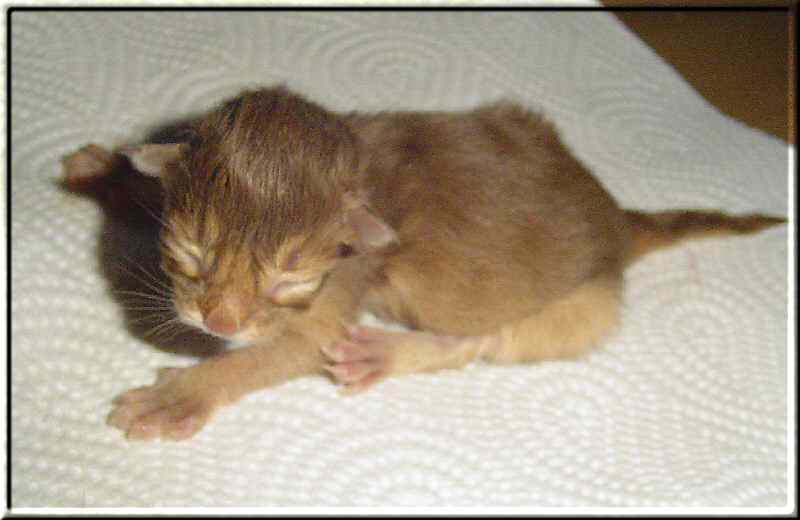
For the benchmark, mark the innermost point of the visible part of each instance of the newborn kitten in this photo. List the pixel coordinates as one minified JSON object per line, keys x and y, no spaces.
{"x":284,"y":221}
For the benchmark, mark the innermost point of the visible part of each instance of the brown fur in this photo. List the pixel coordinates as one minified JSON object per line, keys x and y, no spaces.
{"x":652,"y":231}
{"x":495,"y":219}
{"x":478,"y":228}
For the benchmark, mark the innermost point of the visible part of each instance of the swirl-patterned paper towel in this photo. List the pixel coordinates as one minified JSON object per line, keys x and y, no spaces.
{"x":686,"y":406}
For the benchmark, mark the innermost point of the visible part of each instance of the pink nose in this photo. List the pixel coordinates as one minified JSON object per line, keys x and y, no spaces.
{"x":220,"y":321}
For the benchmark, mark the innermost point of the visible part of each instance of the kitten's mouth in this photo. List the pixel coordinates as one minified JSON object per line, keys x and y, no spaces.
{"x":197,"y":324}
{"x":235,"y":340}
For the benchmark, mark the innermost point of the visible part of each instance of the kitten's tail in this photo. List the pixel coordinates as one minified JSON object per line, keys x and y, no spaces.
{"x":652,"y":231}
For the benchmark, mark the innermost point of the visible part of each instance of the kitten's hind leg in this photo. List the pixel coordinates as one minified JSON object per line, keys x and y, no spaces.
{"x":565,"y":328}
{"x":369,"y":355}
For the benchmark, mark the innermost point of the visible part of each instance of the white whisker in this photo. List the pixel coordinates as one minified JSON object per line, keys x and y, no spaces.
{"x":149,"y":308}
{"x":149,"y":211}
{"x":155,"y":288}
{"x":159,"y":330}
{"x":142,"y":295}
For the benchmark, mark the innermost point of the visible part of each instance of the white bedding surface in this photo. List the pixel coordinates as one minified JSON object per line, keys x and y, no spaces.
{"x":687,"y":405}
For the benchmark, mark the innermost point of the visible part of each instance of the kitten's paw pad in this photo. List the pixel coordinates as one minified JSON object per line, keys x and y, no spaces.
{"x":176,"y":421}
{"x":356,"y":366}
{"x":87,"y":163}
{"x":172,"y":408}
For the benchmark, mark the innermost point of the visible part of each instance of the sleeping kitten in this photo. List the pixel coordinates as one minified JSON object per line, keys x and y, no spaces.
{"x":284,"y":221}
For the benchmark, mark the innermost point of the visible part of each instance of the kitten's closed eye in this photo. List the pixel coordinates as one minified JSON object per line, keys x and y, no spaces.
{"x":182,"y":258}
{"x":293,"y":293}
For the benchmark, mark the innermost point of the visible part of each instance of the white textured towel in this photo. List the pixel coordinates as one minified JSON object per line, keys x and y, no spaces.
{"x":686,"y":406}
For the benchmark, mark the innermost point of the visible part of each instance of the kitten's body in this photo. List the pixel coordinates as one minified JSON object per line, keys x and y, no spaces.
{"x":477,"y":229}
{"x":495,"y":218}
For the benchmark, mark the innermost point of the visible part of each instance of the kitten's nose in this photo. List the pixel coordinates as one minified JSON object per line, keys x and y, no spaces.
{"x":221,"y":321}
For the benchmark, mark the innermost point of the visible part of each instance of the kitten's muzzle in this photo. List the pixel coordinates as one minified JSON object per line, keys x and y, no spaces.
{"x":222,"y":322}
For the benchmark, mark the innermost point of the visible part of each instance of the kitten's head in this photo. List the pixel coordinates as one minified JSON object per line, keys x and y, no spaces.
{"x":261,"y":205}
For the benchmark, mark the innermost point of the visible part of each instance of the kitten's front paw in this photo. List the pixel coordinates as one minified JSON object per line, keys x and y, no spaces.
{"x":175,"y":407}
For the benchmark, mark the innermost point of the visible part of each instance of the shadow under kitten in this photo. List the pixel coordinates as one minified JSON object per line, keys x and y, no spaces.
{"x":129,"y":251}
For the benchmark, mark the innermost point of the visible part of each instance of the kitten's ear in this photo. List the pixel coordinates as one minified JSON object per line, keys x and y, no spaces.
{"x":371,"y":231}
{"x":150,"y":159}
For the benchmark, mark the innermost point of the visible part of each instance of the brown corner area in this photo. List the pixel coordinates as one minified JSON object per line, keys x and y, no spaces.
{"x":740,"y":60}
